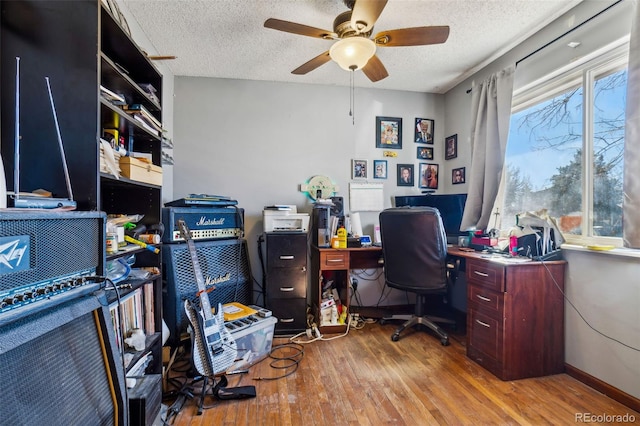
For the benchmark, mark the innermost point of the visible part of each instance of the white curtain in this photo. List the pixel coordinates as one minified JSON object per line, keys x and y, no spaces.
{"x":490,"y":115}
{"x":631,"y":203}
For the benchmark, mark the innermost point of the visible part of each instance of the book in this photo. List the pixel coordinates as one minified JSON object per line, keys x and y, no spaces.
{"x":111,"y":95}
{"x":146,"y":125}
{"x":139,"y":108}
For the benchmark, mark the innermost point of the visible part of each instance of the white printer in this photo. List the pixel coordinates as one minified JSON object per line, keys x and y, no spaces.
{"x":284,"y":218}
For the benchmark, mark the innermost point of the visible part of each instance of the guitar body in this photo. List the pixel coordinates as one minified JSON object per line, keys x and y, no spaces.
{"x":215,"y":357}
{"x":213,"y":347}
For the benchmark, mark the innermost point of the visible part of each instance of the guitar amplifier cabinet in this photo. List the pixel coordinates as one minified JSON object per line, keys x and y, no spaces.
{"x":224,"y":265}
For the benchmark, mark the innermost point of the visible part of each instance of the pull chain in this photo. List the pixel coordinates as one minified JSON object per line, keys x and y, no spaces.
{"x":352,"y":97}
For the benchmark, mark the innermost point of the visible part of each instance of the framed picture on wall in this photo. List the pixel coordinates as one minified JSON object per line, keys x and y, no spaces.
{"x":359,"y":169}
{"x":379,"y":169}
{"x":458,"y":176}
{"x":451,"y":147}
{"x":423,"y":130}
{"x":428,"y":176}
{"x":389,"y":132}
{"x":405,"y":174}
{"x":424,"y":153}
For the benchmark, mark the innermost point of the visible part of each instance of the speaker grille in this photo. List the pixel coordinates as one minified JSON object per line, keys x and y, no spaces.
{"x":216,"y":259}
{"x":56,"y":378}
{"x":60,"y":245}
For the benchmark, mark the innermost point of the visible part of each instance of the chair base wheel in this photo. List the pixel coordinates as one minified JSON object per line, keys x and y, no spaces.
{"x":445,"y":342}
{"x":382,"y":321}
{"x":395,"y":337}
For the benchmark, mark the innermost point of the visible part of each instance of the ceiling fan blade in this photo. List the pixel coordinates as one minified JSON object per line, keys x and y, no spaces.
{"x":418,"y":36}
{"x":311,"y":65}
{"x":292,"y":27}
{"x":161,"y":57}
{"x":374,"y":69}
{"x":365,"y":13}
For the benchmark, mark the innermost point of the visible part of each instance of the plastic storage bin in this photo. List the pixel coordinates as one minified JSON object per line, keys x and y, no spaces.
{"x":253,"y":341}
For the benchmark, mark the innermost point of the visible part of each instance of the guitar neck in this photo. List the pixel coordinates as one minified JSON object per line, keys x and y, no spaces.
{"x":202,"y":290}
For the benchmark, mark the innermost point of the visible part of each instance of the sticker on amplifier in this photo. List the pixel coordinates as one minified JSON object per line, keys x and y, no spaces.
{"x":14,"y":254}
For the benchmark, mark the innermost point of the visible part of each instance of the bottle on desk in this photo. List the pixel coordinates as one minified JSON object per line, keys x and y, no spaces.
{"x":342,"y":237}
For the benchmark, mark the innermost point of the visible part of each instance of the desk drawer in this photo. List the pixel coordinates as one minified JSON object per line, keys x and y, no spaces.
{"x":486,"y":301}
{"x":486,"y":274}
{"x":484,"y":333}
{"x":334,"y":260}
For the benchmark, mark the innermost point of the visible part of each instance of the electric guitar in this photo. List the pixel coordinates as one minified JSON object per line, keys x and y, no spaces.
{"x":214,"y":348}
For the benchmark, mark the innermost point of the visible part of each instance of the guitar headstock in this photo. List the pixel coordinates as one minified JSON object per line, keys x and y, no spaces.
{"x":185,"y":233}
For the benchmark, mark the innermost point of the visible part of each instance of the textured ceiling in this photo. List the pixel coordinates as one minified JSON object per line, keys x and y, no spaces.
{"x":227,"y":39}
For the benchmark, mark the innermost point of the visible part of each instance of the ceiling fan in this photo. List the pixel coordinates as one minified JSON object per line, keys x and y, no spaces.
{"x":354,"y":49}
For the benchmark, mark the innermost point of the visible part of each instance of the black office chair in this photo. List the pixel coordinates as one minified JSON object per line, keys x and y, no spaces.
{"x":414,"y":247}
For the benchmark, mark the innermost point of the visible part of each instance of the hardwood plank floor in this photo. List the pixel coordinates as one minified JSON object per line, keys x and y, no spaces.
{"x":366,"y":379}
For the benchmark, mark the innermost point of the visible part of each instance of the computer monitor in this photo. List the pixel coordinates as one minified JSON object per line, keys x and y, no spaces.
{"x":450,"y":206}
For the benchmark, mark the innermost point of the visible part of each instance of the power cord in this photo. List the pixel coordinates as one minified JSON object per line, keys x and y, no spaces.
{"x":580,"y":314}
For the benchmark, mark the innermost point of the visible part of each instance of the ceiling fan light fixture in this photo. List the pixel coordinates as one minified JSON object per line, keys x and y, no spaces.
{"x":352,"y":53}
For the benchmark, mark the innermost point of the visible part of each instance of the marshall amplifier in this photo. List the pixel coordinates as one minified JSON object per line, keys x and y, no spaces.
{"x":205,"y":223}
{"x":225,"y":268}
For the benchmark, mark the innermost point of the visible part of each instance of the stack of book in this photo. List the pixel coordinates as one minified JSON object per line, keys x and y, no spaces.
{"x":111,"y":96}
{"x":144,"y":117}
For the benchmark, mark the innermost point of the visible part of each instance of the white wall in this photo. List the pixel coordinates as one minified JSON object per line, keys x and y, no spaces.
{"x":258,"y":141}
{"x":603,"y":287}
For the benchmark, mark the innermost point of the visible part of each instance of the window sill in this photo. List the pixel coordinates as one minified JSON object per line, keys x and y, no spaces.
{"x":618,"y":251}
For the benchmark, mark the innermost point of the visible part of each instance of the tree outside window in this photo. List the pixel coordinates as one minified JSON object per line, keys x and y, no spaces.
{"x":550,"y":141}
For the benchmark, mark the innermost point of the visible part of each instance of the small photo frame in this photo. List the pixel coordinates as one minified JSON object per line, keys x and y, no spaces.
{"x":458,"y":175}
{"x":379,"y":169}
{"x":424,"y":153}
{"x":389,"y":132}
{"x":451,"y":147}
{"x":359,"y":169}
{"x":423,"y":130}
{"x":428,"y":176}
{"x":405,"y":174}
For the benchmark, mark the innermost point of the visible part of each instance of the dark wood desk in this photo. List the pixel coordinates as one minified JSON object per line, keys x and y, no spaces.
{"x":334,"y":264}
{"x":515,"y":315}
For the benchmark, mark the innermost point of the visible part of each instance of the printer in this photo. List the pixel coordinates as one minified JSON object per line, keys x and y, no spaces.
{"x":284,"y":218}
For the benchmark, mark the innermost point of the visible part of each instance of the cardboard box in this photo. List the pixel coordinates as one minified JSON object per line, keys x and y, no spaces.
{"x":141,"y":170}
{"x":253,"y":341}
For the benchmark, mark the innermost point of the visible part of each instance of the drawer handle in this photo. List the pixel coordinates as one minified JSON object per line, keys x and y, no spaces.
{"x":286,"y":288}
{"x":482,"y":274}
{"x":286,"y":257}
{"x":484,"y":324}
{"x":286,"y":319}
{"x":335,"y":260}
{"x":486,"y":299}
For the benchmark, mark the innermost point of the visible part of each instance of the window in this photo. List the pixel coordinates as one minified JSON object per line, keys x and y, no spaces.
{"x":565,"y":150}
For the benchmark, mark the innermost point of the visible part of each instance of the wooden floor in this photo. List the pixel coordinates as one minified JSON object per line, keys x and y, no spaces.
{"x":366,"y":379}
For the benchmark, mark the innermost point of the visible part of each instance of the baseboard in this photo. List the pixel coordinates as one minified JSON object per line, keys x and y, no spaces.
{"x":612,"y":392}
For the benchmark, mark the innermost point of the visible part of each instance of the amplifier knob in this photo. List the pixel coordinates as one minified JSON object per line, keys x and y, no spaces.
{"x":9,"y":301}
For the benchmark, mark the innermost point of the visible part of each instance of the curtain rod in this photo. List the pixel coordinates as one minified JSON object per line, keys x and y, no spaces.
{"x":563,"y":34}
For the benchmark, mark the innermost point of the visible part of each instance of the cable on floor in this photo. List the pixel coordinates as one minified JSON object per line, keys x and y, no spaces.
{"x":283,"y":361}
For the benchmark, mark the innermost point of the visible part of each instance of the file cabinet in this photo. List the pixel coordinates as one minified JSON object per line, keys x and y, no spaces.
{"x":286,"y":280}
{"x":515,"y":317}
